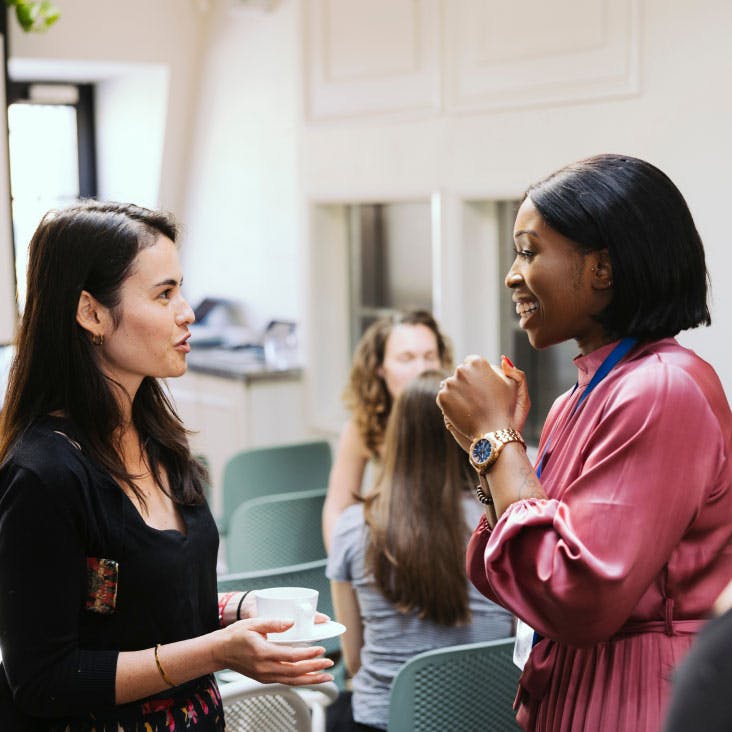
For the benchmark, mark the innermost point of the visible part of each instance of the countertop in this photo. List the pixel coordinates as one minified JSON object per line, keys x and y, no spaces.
{"x":236,"y":364}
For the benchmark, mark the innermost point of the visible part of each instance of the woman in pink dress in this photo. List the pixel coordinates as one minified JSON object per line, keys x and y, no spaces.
{"x":615,"y":545}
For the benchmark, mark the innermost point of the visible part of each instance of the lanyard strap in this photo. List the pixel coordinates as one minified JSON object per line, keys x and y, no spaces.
{"x":611,"y":360}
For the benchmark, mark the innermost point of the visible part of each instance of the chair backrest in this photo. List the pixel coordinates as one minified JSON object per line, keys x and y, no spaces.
{"x":276,"y":531}
{"x":469,"y":687}
{"x":308,"y":574}
{"x":271,"y":707}
{"x":266,"y":470}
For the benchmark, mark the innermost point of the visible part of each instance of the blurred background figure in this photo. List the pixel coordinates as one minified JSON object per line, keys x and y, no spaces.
{"x":391,"y":352}
{"x":397,"y":560}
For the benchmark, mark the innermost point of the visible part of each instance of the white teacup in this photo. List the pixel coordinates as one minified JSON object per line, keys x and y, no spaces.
{"x":289,"y":603}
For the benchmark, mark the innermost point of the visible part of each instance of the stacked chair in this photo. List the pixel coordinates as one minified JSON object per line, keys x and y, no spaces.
{"x":267,"y":470}
{"x":276,"y":531}
{"x":272,"y":527}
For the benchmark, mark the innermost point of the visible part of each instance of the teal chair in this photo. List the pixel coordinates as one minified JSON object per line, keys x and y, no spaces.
{"x":307,"y":574}
{"x":470,"y":688}
{"x":262,"y":471}
{"x":276,"y":531}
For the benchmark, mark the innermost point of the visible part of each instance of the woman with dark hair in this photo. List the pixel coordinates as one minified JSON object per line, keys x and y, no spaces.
{"x":397,"y":564}
{"x":615,"y":546}
{"x":109,"y":615}
{"x":391,"y":352}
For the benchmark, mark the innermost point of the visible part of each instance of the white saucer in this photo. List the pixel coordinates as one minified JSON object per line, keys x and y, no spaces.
{"x":320,"y":632}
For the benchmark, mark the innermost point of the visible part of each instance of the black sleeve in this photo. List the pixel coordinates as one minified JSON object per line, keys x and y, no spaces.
{"x":42,"y":594}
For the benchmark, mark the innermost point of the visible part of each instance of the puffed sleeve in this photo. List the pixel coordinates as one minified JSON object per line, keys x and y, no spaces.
{"x":575,"y":568}
{"x":42,"y":594}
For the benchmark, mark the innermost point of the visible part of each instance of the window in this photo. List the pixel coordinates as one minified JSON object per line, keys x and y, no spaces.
{"x":52,"y":161}
{"x":390,"y":251}
{"x":366,"y":260}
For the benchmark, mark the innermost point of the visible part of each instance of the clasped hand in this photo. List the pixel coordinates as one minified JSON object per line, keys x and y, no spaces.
{"x":480,"y":398}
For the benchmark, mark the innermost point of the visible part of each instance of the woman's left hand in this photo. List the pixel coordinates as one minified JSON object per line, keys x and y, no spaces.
{"x":522,"y":404}
{"x":478,"y":398}
{"x":244,"y":647}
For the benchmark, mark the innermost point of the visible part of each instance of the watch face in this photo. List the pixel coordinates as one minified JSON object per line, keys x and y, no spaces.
{"x":481,"y":452}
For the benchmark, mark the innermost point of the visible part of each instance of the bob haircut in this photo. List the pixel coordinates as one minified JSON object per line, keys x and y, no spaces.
{"x":634,"y":211}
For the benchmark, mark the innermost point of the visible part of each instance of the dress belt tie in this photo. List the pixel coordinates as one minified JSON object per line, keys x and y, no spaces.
{"x":538,"y":670}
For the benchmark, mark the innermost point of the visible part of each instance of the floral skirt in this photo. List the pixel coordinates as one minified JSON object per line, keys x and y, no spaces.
{"x":195,"y":706}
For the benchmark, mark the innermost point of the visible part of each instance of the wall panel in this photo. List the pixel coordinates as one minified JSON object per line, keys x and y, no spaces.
{"x":503,"y":55}
{"x":370,"y":57}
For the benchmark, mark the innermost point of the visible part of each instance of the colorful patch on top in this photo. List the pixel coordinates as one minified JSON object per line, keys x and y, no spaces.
{"x":101,"y":582}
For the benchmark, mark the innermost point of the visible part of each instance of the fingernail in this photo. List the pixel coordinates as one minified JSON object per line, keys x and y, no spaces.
{"x":508,"y":361}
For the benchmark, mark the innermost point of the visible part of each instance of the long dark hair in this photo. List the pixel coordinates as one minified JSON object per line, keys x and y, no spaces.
{"x":366,"y":395}
{"x":417,"y":534}
{"x":634,"y":210}
{"x":91,"y":246}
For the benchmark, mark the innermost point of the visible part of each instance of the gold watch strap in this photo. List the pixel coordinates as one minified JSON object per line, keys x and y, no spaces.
{"x":508,"y":434}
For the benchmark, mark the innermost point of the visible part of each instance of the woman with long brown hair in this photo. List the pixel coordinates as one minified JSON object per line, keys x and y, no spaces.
{"x":397,"y":560}
{"x":391,"y":352}
{"x":109,"y":614}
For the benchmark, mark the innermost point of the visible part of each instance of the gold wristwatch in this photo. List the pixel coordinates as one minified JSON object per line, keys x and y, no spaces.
{"x":485,"y":450}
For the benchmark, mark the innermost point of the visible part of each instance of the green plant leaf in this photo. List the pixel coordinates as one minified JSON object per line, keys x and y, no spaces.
{"x":34,"y":15}
{"x":25,"y":15}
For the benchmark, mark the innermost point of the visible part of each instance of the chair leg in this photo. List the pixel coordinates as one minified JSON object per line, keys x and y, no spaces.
{"x":317,"y":718}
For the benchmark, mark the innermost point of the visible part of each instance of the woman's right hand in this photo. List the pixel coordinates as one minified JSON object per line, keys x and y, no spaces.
{"x":478,"y":398}
{"x":244,"y":648}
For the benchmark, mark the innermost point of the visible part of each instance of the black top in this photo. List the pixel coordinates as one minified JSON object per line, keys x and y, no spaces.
{"x":702,"y":689}
{"x":61,"y":628}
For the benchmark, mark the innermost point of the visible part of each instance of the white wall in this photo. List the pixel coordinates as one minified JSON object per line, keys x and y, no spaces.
{"x":257,"y":161}
{"x":243,"y":238}
{"x":680,"y":120}
{"x":117,"y":42}
{"x":131,"y":113}
{"x":7,"y":272}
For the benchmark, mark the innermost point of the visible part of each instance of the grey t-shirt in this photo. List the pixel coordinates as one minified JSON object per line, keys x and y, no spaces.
{"x":391,"y":638}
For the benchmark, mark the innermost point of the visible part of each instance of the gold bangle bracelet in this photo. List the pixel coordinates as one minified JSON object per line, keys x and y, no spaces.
{"x":161,"y":669}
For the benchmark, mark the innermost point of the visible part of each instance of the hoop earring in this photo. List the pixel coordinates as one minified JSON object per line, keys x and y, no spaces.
{"x":97,"y":339}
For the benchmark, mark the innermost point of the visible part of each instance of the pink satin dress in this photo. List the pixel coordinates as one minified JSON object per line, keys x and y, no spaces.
{"x":619,"y":566}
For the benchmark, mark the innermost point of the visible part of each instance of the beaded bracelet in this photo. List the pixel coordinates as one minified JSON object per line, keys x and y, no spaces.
{"x":241,"y":602}
{"x":482,"y":497}
{"x":160,"y":668}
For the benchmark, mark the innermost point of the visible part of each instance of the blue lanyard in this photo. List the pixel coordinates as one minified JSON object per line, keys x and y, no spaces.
{"x":605,"y":368}
{"x":611,"y":360}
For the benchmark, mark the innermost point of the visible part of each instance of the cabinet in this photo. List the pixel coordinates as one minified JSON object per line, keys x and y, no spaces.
{"x":230,"y":413}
